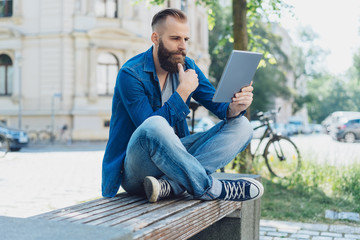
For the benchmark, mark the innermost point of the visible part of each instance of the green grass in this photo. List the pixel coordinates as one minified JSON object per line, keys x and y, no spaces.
{"x":281,"y":203}
{"x":307,"y":194}
{"x":315,"y":188}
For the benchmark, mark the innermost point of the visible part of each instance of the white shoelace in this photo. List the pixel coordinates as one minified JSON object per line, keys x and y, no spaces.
{"x":165,"y":188}
{"x":234,"y":190}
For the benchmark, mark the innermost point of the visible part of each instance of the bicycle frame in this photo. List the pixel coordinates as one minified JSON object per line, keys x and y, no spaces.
{"x":272,"y":135}
{"x":267,"y":132}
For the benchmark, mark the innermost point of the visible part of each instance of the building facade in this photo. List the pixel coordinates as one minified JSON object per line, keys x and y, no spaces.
{"x":59,"y":59}
{"x":286,"y":114}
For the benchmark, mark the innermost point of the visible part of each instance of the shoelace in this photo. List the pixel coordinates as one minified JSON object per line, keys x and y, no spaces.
{"x":165,"y":188}
{"x":234,"y":190}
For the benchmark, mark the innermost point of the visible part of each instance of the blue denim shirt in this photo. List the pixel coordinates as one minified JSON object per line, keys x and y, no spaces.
{"x":137,"y":96}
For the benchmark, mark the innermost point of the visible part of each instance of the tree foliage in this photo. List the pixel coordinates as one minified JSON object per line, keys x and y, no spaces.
{"x":329,"y":93}
{"x":270,"y":80}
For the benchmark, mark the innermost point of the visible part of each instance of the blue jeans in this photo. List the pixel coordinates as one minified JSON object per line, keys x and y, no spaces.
{"x":155,"y":150}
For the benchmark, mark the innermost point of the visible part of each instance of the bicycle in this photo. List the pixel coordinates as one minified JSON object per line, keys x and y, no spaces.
{"x":281,"y":155}
{"x":42,"y":136}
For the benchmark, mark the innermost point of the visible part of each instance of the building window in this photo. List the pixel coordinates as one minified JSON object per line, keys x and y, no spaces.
{"x":107,"y":69}
{"x":6,"y":75}
{"x":106,"y":8}
{"x":6,"y":9}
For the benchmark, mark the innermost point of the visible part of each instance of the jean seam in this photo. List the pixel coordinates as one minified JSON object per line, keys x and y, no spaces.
{"x":207,"y":190}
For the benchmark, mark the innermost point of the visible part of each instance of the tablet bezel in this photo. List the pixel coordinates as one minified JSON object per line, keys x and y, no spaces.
{"x":238,"y":73}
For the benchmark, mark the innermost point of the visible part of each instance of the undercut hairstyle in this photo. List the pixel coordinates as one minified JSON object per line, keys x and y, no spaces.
{"x":161,"y":16}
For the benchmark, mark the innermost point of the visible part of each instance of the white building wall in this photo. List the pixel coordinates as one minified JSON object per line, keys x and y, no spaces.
{"x":54,"y":47}
{"x":286,"y":115}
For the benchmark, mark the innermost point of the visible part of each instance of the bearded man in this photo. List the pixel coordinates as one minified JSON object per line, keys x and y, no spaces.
{"x":150,"y":151}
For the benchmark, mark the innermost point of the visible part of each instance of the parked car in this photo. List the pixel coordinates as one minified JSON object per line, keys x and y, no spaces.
{"x":349,"y":131}
{"x":17,"y":138}
{"x":280,"y":128}
{"x":317,"y":128}
{"x":336,"y":119}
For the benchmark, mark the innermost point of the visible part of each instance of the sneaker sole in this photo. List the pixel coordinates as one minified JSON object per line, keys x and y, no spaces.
{"x":152,"y":189}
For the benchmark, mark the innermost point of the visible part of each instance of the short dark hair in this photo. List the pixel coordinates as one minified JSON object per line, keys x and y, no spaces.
{"x":161,"y":16}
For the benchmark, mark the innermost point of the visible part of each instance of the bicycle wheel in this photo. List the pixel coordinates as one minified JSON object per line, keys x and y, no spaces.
{"x":33,"y":136}
{"x":44,"y":136}
{"x":282,"y":157}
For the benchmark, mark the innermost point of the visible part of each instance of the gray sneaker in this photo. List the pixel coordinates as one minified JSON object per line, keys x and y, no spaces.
{"x":156,"y":189}
{"x":241,"y":189}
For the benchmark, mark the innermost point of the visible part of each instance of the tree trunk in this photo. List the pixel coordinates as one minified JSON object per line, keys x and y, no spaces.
{"x":239,"y":27}
{"x":241,"y":43}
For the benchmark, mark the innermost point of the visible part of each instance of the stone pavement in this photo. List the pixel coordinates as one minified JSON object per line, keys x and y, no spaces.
{"x":39,"y":179}
{"x":275,"y":230}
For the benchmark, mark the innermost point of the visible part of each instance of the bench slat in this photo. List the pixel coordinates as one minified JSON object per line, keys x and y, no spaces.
{"x":106,"y":211}
{"x":152,"y":217}
{"x":194,"y":224}
{"x":123,"y":216}
{"x":192,"y":227}
{"x":214,"y":210}
{"x":77,"y":216}
{"x":86,"y":205}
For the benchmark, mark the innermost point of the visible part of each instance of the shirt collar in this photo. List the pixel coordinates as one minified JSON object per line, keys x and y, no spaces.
{"x":149,"y":65}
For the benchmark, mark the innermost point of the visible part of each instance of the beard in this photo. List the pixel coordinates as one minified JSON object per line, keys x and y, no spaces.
{"x":168,"y":60}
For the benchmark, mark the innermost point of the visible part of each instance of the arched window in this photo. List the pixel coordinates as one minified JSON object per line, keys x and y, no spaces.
{"x":107,"y":69}
{"x":6,"y":8}
{"x":106,"y":8}
{"x":6,"y":75}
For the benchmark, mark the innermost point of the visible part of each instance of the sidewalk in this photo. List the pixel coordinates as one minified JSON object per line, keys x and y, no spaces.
{"x":274,"y":230}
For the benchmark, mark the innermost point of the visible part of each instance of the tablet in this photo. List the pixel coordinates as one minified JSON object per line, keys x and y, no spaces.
{"x":239,"y":71}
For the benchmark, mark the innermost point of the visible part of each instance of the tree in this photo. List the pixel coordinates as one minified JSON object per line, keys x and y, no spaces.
{"x":240,"y":31}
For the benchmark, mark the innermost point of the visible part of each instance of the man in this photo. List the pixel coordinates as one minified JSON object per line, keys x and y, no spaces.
{"x":150,"y":150}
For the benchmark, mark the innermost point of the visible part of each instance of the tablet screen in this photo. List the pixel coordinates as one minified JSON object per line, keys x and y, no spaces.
{"x":239,"y":72}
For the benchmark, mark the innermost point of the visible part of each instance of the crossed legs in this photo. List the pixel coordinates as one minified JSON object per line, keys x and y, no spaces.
{"x":155,"y":150}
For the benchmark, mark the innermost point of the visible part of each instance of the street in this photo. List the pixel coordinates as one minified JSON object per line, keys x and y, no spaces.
{"x":323,"y":149}
{"x":43,"y":178}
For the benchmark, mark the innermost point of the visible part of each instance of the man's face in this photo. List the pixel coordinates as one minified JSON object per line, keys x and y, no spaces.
{"x":169,"y":59}
{"x":173,"y":44}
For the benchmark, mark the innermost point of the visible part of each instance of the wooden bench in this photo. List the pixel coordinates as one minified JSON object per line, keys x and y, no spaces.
{"x":132,"y":217}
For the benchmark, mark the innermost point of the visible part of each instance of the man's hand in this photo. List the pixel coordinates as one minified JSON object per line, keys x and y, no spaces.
{"x":188,"y":82}
{"x":241,"y":101}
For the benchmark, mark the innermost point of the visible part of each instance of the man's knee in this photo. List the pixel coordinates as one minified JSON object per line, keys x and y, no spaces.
{"x":242,"y":126}
{"x":155,"y":126}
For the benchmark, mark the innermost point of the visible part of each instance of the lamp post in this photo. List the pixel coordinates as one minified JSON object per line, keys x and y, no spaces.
{"x":18,"y":59}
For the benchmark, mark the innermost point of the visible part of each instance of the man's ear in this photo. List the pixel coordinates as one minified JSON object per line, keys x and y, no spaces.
{"x":155,"y":38}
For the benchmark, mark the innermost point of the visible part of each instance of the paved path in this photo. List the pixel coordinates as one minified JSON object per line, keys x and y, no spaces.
{"x":275,"y":230}
{"x":43,"y":178}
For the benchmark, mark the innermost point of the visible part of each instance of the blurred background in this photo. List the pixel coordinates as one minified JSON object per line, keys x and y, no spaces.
{"x":59,"y":61}
{"x":58,"y":66}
